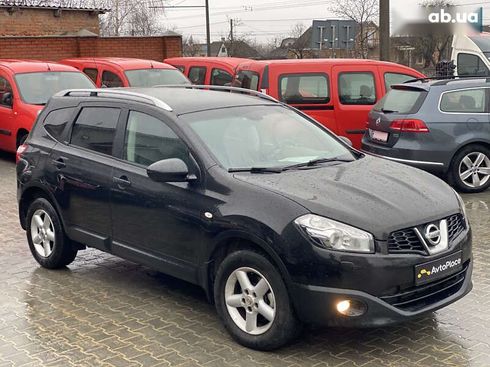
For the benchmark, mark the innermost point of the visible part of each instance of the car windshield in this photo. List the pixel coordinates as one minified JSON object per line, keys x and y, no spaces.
{"x":152,"y":77}
{"x":263,"y":137}
{"x":37,"y":88}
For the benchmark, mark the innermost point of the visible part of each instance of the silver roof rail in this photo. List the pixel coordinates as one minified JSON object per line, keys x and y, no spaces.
{"x":222,"y":88}
{"x":117,"y":94}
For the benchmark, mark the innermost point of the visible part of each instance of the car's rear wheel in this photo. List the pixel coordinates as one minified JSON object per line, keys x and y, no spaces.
{"x":47,"y":240}
{"x":253,"y":303}
{"x":470,"y":169}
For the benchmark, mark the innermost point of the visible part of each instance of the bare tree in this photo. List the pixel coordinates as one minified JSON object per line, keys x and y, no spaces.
{"x":302,"y":42}
{"x":364,"y":13}
{"x":190,"y":48}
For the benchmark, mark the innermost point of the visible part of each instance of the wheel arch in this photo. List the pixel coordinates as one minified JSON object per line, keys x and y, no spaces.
{"x":466,"y":144}
{"x":20,"y":133}
{"x":234,"y":241}
{"x":30,"y":194}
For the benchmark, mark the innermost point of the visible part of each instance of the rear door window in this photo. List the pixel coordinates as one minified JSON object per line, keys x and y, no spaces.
{"x":221,"y":77}
{"x":404,"y":101}
{"x":91,"y":73}
{"x":357,"y":88}
{"x":95,"y":129}
{"x":197,"y":75}
{"x":464,"y":101}
{"x":248,"y":80}
{"x":471,"y":65}
{"x":111,"y":80}
{"x":6,"y":95}
{"x":396,"y":78}
{"x":304,"y":88}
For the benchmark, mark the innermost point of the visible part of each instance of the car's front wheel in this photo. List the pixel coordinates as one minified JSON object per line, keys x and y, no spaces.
{"x":470,"y":169}
{"x":47,"y":241}
{"x":253,"y":303}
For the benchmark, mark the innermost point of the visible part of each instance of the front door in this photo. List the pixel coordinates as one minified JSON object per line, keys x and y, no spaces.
{"x":356,"y":90}
{"x":163,"y":221}
{"x":7,"y":128}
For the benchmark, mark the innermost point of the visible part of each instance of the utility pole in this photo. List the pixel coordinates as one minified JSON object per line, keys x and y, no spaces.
{"x":384,"y":30}
{"x":208,"y":33}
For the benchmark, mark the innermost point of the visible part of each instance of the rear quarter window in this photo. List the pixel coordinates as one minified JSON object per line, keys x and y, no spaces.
{"x":304,"y":88}
{"x":56,"y":121}
{"x":464,"y":101}
{"x":396,"y":78}
{"x":405,"y":101}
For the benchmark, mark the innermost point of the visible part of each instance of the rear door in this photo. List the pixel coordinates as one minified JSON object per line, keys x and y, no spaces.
{"x":81,"y":170}
{"x":356,"y":89}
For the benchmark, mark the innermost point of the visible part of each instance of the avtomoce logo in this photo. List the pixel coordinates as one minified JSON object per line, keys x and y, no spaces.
{"x":460,"y":18}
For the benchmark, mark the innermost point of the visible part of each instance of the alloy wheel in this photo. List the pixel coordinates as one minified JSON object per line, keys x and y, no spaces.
{"x":42,"y":233}
{"x":250,"y":301}
{"x":474,"y":169}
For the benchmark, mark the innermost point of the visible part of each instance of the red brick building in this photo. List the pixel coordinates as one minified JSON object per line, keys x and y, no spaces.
{"x":51,"y":33}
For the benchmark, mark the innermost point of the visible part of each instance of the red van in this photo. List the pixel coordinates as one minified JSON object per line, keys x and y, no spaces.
{"x":114,"y":72}
{"x":207,"y":70}
{"x":339,"y":93}
{"x":25,"y":87}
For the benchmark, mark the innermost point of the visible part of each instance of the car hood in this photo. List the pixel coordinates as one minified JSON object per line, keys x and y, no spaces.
{"x":374,"y":194}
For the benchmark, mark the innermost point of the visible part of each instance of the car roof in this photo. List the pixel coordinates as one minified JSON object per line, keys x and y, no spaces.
{"x":125,"y":63}
{"x":230,"y":61}
{"x":326,"y":61}
{"x":186,"y":100}
{"x":16,"y":66}
{"x":446,"y":84}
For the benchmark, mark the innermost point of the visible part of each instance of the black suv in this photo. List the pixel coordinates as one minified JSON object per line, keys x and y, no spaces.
{"x":441,"y":126}
{"x":280,"y":222}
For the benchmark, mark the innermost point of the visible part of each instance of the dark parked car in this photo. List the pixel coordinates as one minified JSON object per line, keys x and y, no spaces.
{"x":441,"y":126}
{"x":280,"y":221}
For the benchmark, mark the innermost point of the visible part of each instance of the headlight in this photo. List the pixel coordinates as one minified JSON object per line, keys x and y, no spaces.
{"x":332,"y":235}
{"x":462,"y":207}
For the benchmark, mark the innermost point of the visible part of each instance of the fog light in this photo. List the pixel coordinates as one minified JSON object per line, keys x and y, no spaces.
{"x":351,"y":307}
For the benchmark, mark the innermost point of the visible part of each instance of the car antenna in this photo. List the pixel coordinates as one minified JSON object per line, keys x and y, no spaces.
{"x":47,"y":64}
{"x":151,"y":64}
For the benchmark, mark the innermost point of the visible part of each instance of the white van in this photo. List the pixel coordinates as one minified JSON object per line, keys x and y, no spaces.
{"x":471,"y":55}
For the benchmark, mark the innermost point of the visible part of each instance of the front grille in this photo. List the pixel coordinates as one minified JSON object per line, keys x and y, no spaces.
{"x":406,"y":241}
{"x":419,"y":297}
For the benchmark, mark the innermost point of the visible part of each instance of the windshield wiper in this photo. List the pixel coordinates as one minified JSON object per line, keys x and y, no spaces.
{"x":258,"y":169}
{"x":315,"y":162}
{"x":388,"y":111}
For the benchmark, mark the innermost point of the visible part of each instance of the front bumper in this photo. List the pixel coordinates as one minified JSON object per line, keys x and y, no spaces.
{"x":317,"y":305}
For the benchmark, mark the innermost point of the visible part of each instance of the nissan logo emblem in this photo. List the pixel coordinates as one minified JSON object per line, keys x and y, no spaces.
{"x":433,"y":234}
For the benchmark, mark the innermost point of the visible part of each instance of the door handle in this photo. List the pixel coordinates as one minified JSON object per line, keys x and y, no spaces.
{"x":59,"y":163}
{"x":122,"y":181}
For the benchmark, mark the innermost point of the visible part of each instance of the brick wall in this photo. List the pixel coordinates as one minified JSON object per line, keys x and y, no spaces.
{"x":43,"y":22}
{"x":56,"y":48}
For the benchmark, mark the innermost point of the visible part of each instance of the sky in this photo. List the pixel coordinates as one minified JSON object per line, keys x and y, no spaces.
{"x":262,"y":19}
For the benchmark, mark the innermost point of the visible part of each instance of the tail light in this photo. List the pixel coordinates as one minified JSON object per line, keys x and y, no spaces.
{"x":20,"y":150}
{"x":410,"y":126}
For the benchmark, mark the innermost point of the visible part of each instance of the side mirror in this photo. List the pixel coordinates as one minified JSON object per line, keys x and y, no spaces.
{"x":7,"y":99}
{"x":169,"y":170}
{"x":346,"y":140}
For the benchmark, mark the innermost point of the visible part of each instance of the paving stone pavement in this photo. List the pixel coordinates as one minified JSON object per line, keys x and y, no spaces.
{"x":104,"y":311}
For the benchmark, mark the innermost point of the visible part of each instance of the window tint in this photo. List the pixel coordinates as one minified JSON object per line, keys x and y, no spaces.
{"x":471,"y":65}
{"x":91,"y":73}
{"x":197,"y":75}
{"x":396,"y":78}
{"x":95,"y":128}
{"x":150,"y":140}
{"x":247,"y":79}
{"x":465,"y":101}
{"x":220,"y":77}
{"x":357,"y":88}
{"x":401,"y":101}
{"x":56,"y":121}
{"x":5,"y":87}
{"x":111,"y":80}
{"x":304,"y":88}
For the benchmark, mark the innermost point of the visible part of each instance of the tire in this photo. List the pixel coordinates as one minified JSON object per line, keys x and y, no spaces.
{"x":47,"y":240}
{"x":470,"y":169}
{"x":270,"y":298}
{"x":21,"y":139}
